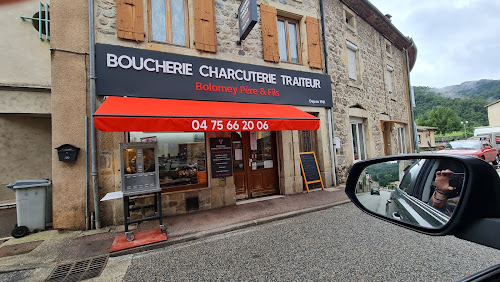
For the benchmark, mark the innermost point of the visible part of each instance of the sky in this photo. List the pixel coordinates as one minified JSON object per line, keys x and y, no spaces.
{"x":457,"y":40}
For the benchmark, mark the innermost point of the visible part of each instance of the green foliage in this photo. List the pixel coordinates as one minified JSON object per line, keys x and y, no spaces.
{"x":384,"y":173}
{"x":455,"y":134}
{"x":470,"y":109}
{"x":445,"y":119}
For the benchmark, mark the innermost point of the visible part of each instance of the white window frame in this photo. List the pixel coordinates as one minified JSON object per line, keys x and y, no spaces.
{"x":352,"y":60}
{"x":402,"y":140}
{"x":390,"y":78}
{"x":358,"y":140}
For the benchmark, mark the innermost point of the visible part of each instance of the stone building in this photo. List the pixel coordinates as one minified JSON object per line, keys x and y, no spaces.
{"x":369,"y":60}
{"x":25,"y":82}
{"x":182,"y":74}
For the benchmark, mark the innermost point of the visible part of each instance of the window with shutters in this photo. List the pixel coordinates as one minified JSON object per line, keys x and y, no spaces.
{"x":168,"y":21}
{"x":389,"y":78}
{"x":352,"y":60}
{"x":282,"y":32}
{"x":288,"y":40}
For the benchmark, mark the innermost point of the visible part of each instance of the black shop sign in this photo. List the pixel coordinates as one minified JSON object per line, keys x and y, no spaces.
{"x":220,"y":155}
{"x":123,"y":71}
{"x":247,"y":15}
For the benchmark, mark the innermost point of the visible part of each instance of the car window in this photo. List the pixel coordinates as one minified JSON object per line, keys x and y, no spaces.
{"x":463,"y":145}
{"x":410,"y":177}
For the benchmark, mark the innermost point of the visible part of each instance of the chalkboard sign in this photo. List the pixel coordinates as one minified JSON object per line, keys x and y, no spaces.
{"x":310,"y":169}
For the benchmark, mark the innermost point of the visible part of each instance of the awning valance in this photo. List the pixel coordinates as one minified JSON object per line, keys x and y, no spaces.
{"x":146,"y":114}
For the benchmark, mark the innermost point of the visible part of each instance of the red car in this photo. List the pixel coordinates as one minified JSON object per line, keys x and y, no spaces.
{"x":477,"y":148}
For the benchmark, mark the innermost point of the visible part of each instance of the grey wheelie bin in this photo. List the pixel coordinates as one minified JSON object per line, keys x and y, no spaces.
{"x":31,"y":205}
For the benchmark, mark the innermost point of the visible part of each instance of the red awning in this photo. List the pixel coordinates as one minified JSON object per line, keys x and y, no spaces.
{"x":146,"y":114}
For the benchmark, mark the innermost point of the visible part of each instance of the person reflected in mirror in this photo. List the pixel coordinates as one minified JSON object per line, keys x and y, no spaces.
{"x":440,"y":199}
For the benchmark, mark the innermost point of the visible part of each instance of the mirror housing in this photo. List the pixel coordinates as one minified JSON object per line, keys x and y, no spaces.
{"x":477,"y":214}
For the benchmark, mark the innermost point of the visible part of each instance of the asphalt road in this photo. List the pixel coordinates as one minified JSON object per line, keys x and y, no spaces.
{"x":338,"y":244}
{"x":375,"y":202}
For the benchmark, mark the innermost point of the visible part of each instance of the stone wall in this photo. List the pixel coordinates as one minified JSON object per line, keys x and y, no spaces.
{"x":369,"y":98}
{"x":250,"y":50}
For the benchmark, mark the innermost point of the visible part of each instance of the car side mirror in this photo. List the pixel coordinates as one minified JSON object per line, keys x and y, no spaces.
{"x":487,"y":147}
{"x":431,"y":194}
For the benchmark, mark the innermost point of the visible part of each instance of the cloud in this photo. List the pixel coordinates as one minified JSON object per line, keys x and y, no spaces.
{"x":457,"y":40}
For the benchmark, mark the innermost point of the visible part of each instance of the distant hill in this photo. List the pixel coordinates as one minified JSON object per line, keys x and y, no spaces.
{"x":484,"y":88}
{"x":467,"y":99}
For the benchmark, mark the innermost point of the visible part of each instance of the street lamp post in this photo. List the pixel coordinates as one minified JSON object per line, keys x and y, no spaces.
{"x":465,"y":129}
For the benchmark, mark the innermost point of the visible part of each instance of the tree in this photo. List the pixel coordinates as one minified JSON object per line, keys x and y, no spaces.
{"x":445,"y":119}
{"x":469,"y":106}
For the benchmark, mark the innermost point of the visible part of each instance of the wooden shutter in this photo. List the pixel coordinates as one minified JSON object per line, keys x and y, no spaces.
{"x":205,"y":37}
{"x":313,"y":43}
{"x":269,"y":24}
{"x":129,"y":19}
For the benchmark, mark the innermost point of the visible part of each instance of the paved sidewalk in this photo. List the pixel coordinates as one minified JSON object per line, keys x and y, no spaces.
{"x":36,"y":255}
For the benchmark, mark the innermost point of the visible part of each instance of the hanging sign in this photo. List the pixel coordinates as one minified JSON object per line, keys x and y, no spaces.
{"x":247,"y":15}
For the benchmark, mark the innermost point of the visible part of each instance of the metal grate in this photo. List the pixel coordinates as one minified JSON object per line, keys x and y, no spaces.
{"x":80,"y":270}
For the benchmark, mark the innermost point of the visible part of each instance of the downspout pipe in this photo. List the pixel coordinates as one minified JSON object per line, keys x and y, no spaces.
{"x":87,"y":218}
{"x":92,"y":78}
{"x":412,"y":101}
{"x":331,"y":128}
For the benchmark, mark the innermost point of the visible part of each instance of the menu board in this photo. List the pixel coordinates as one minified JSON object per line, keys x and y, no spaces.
{"x":220,"y":156}
{"x":310,"y":169}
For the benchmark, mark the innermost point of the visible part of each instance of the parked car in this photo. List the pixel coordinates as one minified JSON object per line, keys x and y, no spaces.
{"x":375,"y":191}
{"x":478,"y":148}
{"x":493,"y":138}
{"x":475,"y":218}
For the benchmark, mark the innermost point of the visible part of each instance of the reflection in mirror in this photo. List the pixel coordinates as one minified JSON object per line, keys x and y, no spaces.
{"x":422,"y":192}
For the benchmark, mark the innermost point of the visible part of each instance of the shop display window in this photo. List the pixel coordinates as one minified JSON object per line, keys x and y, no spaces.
{"x":181,"y":157}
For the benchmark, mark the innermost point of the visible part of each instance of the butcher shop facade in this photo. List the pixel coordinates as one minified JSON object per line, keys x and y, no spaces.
{"x":224,"y":131}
